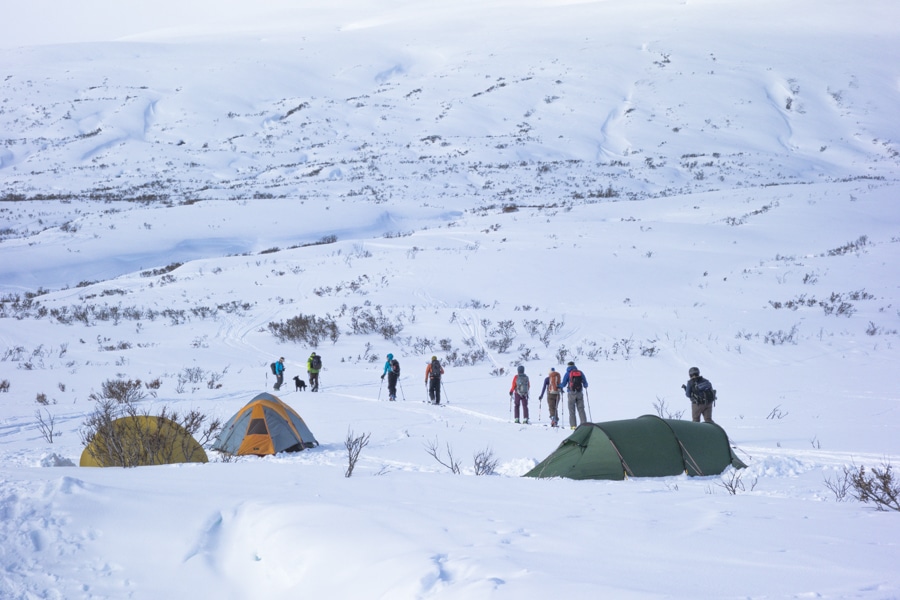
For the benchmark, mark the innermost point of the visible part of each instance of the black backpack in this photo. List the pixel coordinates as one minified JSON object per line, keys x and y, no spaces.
{"x":395,"y":366}
{"x":702,"y":392}
{"x":576,"y":380}
{"x":274,"y":371}
{"x":436,"y":369}
{"x":316,"y":362}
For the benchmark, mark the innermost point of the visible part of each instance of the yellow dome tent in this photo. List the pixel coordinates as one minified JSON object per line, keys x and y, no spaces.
{"x":139,"y":441}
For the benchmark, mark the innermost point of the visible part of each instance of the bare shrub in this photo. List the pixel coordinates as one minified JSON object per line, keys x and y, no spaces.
{"x":215,"y":379}
{"x":877,"y":486}
{"x":451,"y":463}
{"x":161,"y":271}
{"x":120,"y":390}
{"x":190,"y":375}
{"x":501,"y":336}
{"x":485,"y":463}
{"x":856,"y":246}
{"x":4,"y":385}
{"x":777,"y":338}
{"x":841,"y":485}
{"x":41,"y":399}
{"x":662,"y":410}
{"x":46,"y":425}
{"x":354,"y":445}
{"x":364,"y":321}
{"x":308,"y":329}
{"x":543,"y":331}
{"x":733,"y":483}
{"x":777,"y":413}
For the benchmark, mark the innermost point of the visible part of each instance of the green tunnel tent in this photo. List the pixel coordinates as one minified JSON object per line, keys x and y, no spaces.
{"x":644,"y":447}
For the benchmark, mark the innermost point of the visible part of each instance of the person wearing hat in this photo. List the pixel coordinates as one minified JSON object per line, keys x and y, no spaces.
{"x":313,"y":366}
{"x":392,"y":370}
{"x":702,"y":395}
{"x":551,"y":388}
{"x":279,"y":373}
{"x":574,"y":382}
{"x":520,"y":388}
{"x":433,"y":373}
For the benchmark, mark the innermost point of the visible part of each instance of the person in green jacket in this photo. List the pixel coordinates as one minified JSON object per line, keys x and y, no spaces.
{"x":313,"y":366}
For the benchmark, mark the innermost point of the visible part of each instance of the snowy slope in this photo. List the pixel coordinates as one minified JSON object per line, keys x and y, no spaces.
{"x":637,"y":186}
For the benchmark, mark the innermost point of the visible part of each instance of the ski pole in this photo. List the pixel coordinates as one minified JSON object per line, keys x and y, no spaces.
{"x":588,"y":401}
{"x":379,"y":388}
{"x":402,"y":393}
{"x":510,"y":405}
{"x":446,"y":397}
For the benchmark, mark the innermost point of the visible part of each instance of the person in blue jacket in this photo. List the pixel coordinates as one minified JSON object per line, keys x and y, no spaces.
{"x":392,"y":370}
{"x":574,"y":382}
{"x":279,"y":373}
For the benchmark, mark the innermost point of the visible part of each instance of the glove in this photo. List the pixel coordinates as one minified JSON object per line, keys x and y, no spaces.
{"x":683,"y":386}
{"x":382,"y":376}
{"x":510,"y":394}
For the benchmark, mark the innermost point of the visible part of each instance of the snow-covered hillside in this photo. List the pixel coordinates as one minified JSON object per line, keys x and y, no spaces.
{"x":639,"y":187}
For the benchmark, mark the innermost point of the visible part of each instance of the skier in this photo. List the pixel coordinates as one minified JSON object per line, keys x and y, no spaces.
{"x":433,"y":373}
{"x":392,"y":370}
{"x":520,"y":388}
{"x":279,"y":373}
{"x":551,"y":388}
{"x":574,"y":382}
{"x":313,"y":366}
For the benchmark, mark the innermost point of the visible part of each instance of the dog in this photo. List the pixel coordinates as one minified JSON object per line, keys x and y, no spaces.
{"x":299,"y":383}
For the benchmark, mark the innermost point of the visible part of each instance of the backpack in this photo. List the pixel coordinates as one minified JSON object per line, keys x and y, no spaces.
{"x":395,"y":366}
{"x":576,"y":380}
{"x":316,"y":362}
{"x":522,"y":384}
{"x":702,"y":392}
{"x":554,"y":381}
{"x":436,"y":369}
{"x":274,"y":371}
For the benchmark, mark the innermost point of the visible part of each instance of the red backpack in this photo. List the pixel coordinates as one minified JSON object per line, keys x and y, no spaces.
{"x":576,"y":380}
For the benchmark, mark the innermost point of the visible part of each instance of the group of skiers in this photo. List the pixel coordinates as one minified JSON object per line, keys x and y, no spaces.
{"x":574,"y":382}
{"x":433,"y":373}
{"x":313,"y":367}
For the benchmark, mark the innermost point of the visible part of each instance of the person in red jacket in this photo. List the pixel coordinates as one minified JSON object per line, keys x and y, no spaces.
{"x":520,"y":388}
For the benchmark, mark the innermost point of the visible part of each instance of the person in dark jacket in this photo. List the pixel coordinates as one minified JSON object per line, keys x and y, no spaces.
{"x":433,"y":373}
{"x":551,"y":388}
{"x":702,"y":395}
{"x":575,"y":382}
